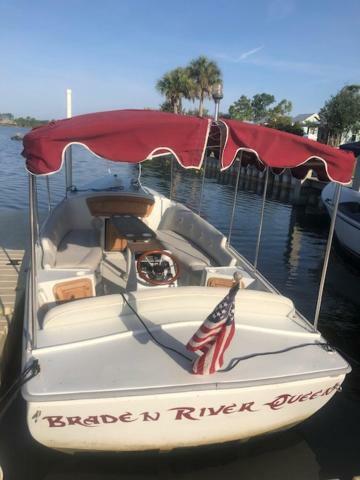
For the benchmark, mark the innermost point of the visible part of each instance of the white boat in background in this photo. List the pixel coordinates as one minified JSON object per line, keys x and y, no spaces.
{"x":121,"y":277}
{"x":347,"y":227}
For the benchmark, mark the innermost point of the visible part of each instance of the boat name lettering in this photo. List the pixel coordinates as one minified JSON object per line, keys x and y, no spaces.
{"x":183,"y":413}
{"x":191,"y":413}
{"x":94,"y":420}
{"x":286,"y":398}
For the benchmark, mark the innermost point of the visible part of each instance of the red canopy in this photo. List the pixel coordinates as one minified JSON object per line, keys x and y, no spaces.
{"x":280,"y":150}
{"x":120,"y":135}
{"x":137,"y":135}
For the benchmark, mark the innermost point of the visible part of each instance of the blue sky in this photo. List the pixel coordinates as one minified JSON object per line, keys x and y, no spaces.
{"x":111,"y":53}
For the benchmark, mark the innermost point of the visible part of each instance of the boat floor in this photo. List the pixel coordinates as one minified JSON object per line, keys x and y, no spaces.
{"x":87,"y":349}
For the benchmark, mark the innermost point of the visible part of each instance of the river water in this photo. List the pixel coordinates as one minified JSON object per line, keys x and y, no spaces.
{"x":293,"y":243}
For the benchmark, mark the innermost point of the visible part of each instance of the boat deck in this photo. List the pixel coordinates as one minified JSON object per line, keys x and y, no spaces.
{"x":117,"y":356}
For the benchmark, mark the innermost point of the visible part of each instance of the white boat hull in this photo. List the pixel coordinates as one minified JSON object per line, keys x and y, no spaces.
{"x":177,"y":420}
{"x":115,"y":374}
{"x":346,"y":228}
{"x":348,"y":235}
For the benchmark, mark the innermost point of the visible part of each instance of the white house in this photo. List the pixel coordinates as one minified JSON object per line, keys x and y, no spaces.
{"x":310,"y":124}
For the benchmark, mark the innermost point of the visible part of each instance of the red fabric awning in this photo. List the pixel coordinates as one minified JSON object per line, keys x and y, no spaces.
{"x":137,"y":135}
{"x":121,"y":136}
{"x":281,"y":150}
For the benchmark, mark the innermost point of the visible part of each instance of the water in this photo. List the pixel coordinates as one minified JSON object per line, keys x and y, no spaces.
{"x":292,"y":251}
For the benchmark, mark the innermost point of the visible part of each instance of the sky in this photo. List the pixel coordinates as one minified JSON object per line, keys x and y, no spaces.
{"x":112,"y":52}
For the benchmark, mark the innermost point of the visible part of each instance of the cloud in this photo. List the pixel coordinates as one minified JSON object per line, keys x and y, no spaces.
{"x":313,"y":69}
{"x":243,"y":56}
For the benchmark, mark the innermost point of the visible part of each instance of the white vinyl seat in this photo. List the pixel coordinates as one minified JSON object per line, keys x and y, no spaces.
{"x":186,"y":252}
{"x":195,"y":243}
{"x":79,"y":249}
{"x":71,"y":240}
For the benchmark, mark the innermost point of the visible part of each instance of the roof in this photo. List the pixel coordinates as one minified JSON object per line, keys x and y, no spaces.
{"x":303,"y":117}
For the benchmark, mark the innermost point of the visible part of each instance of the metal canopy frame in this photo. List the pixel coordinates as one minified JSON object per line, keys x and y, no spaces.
{"x":262,"y":212}
{"x":235,"y":198}
{"x":336,"y":201}
{"x":34,"y":238}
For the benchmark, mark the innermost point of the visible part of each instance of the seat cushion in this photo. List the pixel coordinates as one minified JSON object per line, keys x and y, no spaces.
{"x":79,"y":249}
{"x":185,"y":251}
{"x":203,"y":236}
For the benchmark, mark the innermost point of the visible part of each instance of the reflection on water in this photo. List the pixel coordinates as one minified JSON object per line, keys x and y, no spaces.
{"x":291,"y":258}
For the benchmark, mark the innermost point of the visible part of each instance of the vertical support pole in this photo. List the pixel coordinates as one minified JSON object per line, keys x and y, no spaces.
{"x":171,"y":178}
{"x":235,"y":198}
{"x":216,"y":114}
{"x":257,"y":251}
{"x":48,"y":192}
{"x":68,"y":153}
{"x":336,"y":200}
{"x":33,"y":240}
{"x":216,"y":117}
{"x":202,"y":185}
{"x":68,"y":103}
{"x":356,"y":180}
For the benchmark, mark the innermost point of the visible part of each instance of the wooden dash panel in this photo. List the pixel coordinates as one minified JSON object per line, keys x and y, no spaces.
{"x":106,"y":206}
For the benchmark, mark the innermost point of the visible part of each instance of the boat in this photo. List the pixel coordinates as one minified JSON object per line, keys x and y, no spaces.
{"x":347,"y":227}
{"x":121,"y":276}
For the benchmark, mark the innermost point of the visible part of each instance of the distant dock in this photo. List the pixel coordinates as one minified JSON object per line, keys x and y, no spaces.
{"x":283,"y":187}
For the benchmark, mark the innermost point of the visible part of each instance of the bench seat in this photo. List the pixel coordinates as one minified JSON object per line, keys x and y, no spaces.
{"x":185,"y":251}
{"x":79,"y":249}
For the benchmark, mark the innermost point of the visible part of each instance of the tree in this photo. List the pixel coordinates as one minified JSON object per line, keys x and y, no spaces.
{"x":204,"y":74}
{"x":195,"y":112}
{"x":285,"y":124}
{"x":29,"y":122}
{"x":242,"y":109}
{"x":341,"y":114}
{"x":166,"y":107}
{"x":260,"y":104}
{"x":257,"y":109}
{"x":175,"y":85}
{"x":280,"y":112}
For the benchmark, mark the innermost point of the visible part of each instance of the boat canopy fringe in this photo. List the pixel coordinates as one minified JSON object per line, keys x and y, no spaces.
{"x":134,"y":136}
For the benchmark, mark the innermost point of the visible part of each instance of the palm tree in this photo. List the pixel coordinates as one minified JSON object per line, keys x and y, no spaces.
{"x":205,"y":74}
{"x":176,"y":85}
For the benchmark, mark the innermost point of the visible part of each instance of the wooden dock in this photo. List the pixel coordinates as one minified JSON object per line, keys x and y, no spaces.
{"x":10,"y":264}
{"x":13,"y":238}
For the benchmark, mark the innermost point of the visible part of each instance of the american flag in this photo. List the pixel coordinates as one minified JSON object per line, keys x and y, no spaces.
{"x":214,"y":336}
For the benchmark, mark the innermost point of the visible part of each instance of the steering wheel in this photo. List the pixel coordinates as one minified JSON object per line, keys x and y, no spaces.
{"x":154,"y":269}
